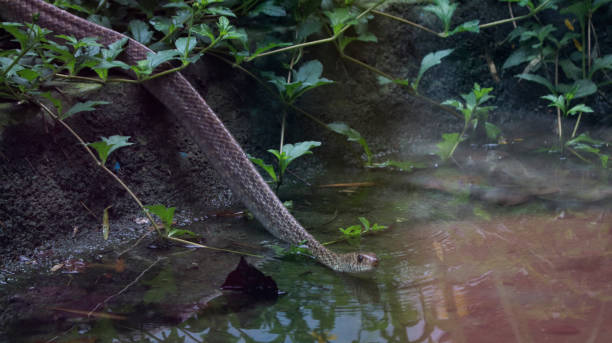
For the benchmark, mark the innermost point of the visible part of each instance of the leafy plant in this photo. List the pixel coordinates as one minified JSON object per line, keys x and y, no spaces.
{"x":562,"y":102}
{"x":356,"y":231}
{"x":107,"y":145}
{"x":292,"y":250}
{"x":283,"y":158}
{"x":473,"y":113}
{"x":306,"y":78}
{"x":352,"y":135}
{"x":444,"y":10}
{"x":166,"y":214}
{"x":587,"y":144}
{"x":430,"y":60}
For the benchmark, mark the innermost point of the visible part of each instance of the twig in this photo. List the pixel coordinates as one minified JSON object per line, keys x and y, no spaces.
{"x":416,"y":95}
{"x":126,"y":287}
{"x":320,"y":41}
{"x":99,"y":163}
{"x":88,"y":210}
{"x":405,"y":21}
{"x":135,"y":243}
{"x":213,"y":248}
{"x":511,"y":14}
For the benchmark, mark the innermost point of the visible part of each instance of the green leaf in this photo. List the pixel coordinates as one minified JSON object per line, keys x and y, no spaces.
{"x":468,"y":26}
{"x":579,"y":89}
{"x":430,"y":60}
{"x":267,"y":167}
{"x":204,"y":31}
{"x":154,"y":59}
{"x":352,"y":136}
{"x":308,"y":27}
{"x":185,"y":45}
{"x":492,"y":130}
{"x":339,"y":18}
{"x":140,"y":31}
{"x":220,"y":10}
{"x":444,"y":10}
{"x":102,"y":148}
{"x":447,"y":146}
{"x":518,"y":57}
{"x":538,"y":79}
{"x":310,"y":72}
{"x":580,"y":108}
{"x":108,"y":145}
{"x":351,"y":231}
{"x":268,"y":8}
{"x":584,"y":138}
{"x":598,"y":3}
{"x":166,"y":214}
{"x":555,"y":101}
{"x":481,"y":213}
{"x":570,"y":70}
{"x":365,"y":223}
{"x":604,"y":62}
{"x":181,"y":233}
{"x":82,"y":107}
{"x":296,"y":150}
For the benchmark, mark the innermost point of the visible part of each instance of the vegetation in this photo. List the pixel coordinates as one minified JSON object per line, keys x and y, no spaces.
{"x":181,"y":32}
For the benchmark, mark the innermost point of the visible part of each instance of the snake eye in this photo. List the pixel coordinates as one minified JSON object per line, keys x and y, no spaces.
{"x":360,"y":258}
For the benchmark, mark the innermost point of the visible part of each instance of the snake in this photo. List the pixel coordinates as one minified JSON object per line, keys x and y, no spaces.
{"x":202,"y":124}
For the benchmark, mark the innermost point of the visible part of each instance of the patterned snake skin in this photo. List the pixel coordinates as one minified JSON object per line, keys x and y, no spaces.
{"x":224,"y":153}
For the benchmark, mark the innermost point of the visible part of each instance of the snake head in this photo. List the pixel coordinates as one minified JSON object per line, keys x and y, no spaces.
{"x":357,"y":262}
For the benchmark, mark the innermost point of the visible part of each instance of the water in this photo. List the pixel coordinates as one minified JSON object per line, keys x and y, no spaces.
{"x":495,"y":250}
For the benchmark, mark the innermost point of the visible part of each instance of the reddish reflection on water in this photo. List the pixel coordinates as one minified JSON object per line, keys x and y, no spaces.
{"x":517,"y":279}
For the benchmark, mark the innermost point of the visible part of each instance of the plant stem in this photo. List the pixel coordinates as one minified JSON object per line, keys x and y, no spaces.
{"x":316,"y":42}
{"x":270,"y":90}
{"x":23,"y":52}
{"x":510,"y":20}
{"x":405,"y":21}
{"x":576,"y":126}
{"x":99,"y":163}
{"x":390,"y":77}
{"x":589,"y":42}
{"x":212,"y":248}
{"x":126,"y":188}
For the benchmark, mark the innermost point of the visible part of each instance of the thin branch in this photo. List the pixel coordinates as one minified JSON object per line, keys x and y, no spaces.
{"x":213,"y":248}
{"x":405,"y":21}
{"x":316,"y":42}
{"x":126,"y":287}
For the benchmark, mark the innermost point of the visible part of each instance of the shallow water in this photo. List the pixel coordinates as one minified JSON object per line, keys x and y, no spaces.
{"x":496,"y":250}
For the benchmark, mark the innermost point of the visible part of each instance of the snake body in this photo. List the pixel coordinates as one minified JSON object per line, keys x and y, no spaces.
{"x":190,"y":109}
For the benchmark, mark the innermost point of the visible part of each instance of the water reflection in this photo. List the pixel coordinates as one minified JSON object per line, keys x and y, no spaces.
{"x":502,"y":252}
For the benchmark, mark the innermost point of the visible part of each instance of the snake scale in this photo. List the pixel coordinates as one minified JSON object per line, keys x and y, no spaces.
{"x":190,"y":109}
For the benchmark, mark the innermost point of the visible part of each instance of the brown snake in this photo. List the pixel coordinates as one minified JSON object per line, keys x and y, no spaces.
{"x":222,"y":150}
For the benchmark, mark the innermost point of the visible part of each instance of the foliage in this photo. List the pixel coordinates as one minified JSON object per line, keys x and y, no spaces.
{"x":107,"y":145}
{"x":473,"y":113}
{"x":166,"y":214}
{"x":352,"y":135}
{"x":306,"y":78}
{"x":444,"y":10}
{"x":430,"y":60}
{"x":557,"y":56}
{"x":283,"y":158}
{"x":356,"y":231}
